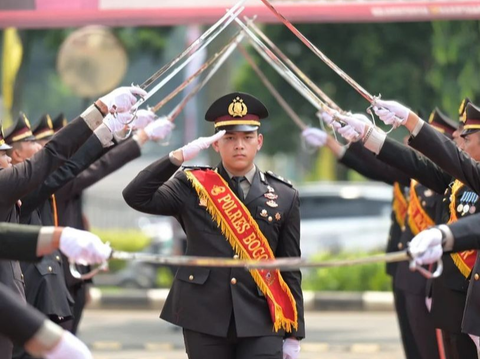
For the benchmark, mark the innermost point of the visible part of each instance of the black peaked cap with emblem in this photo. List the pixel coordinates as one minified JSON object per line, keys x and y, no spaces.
{"x":462,"y":113}
{"x":442,"y":123}
{"x":43,"y":130}
{"x":19,"y":131}
{"x":59,"y":122}
{"x":472,"y":121}
{"x":237,"y":111}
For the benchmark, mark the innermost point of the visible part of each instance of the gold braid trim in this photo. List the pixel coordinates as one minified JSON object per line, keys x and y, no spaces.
{"x":280,"y":320}
{"x":400,"y":204}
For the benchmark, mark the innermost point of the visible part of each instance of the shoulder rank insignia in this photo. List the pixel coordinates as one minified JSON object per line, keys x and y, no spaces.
{"x":279,"y":178}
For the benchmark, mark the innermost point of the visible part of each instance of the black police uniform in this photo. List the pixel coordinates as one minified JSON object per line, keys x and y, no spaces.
{"x":22,"y":178}
{"x":19,"y":242}
{"x":222,"y":309}
{"x":364,"y":162}
{"x":449,"y":290}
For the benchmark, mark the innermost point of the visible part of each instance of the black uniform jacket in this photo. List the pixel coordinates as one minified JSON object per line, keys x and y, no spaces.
{"x":204,"y":299}
{"x":19,"y":321}
{"x":69,"y":197}
{"x":364,"y":162}
{"x":45,"y":284}
{"x":18,"y":242}
{"x":19,"y":180}
{"x":449,"y":290}
{"x":459,"y":164}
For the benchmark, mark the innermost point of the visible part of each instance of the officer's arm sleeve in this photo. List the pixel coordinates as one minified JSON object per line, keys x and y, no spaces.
{"x":108,"y":163}
{"x":18,"y":242}
{"x":24,"y":325}
{"x":83,"y":158}
{"x":152,"y":192}
{"x":289,"y":246}
{"x":466,"y":233}
{"x":359,"y":159}
{"x":22,"y":178}
{"x":448,"y":156}
{"x":414,"y":165}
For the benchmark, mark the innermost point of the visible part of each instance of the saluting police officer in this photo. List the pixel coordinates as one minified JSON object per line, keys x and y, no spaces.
{"x":234,"y":210}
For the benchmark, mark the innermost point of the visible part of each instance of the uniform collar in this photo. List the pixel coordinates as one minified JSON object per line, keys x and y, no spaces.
{"x":249,"y":175}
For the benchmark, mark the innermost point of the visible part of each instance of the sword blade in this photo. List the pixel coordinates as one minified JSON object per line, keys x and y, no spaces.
{"x":179,"y":108}
{"x":162,"y":83}
{"x":294,"y":67}
{"x":214,"y":30}
{"x":365,"y":94}
{"x":232,"y":43}
{"x":295,"y":118}
{"x":282,"y":69}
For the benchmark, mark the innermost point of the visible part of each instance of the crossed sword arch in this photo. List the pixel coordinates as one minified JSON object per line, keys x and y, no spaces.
{"x":298,"y":80}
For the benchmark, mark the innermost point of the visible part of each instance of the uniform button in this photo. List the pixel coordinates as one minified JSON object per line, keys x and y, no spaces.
{"x":400,"y":245}
{"x":233,"y":281}
{"x":270,"y":218}
{"x":424,"y":204}
{"x":403,"y":228}
{"x":22,"y":276}
{"x":476,"y":276}
{"x":190,"y":277}
{"x":236,"y":256}
{"x":50,"y":269}
{"x":58,"y":258}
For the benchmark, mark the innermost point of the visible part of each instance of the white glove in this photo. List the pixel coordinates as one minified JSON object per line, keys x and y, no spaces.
{"x":348,"y":133}
{"x":83,"y":247}
{"x":391,"y":112}
{"x":431,"y":255}
{"x":192,"y":149}
{"x":122,"y":99}
{"x":328,"y":119}
{"x":117,"y":122}
{"x":159,"y":129}
{"x":69,"y":347}
{"x":315,"y":137}
{"x":426,"y":247}
{"x":144,"y":118}
{"x":291,"y":348}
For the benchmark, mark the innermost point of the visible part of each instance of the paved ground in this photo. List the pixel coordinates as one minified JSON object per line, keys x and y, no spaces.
{"x":331,"y":335}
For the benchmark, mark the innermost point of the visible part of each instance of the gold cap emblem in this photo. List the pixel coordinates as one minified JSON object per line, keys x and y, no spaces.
{"x":27,"y":122}
{"x":237,"y":108}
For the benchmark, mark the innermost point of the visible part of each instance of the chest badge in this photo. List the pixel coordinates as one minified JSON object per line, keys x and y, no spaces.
{"x":270,"y":189}
{"x":278,"y":216}
{"x":264,"y":213}
{"x":272,"y":204}
{"x":270,"y":196}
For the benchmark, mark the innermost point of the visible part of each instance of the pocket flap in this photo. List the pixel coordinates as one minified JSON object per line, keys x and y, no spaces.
{"x":47,"y":267}
{"x":195,"y":275}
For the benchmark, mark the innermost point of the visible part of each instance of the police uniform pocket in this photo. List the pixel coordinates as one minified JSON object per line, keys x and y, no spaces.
{"x":194,"y":275}
{"x":47,"y":268}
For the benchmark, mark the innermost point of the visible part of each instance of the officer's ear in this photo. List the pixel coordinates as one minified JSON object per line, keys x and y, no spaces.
{"x":16,"y":152}
{"x":260,"y":141}
{"x":215,"y":146}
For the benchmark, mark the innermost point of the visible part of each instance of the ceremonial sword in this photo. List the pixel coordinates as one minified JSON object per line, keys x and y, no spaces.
{"x":230,"y":46}
{"x":283,"y":264}
{"x":294,"y":67}
{"x":217,"y":29}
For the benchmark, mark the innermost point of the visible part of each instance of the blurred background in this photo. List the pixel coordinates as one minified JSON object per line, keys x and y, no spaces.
{"x":60,"y":56}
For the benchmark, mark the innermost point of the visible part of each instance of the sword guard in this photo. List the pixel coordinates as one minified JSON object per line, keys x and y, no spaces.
{"x":425,"y":272}
{"x":86,"y":276}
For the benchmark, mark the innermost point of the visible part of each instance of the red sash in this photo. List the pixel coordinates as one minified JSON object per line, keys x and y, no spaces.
{"x":465,"y":261}
{"x":418,"y":219}
{"x":400,"y":204}
{"x":246,"y":239}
